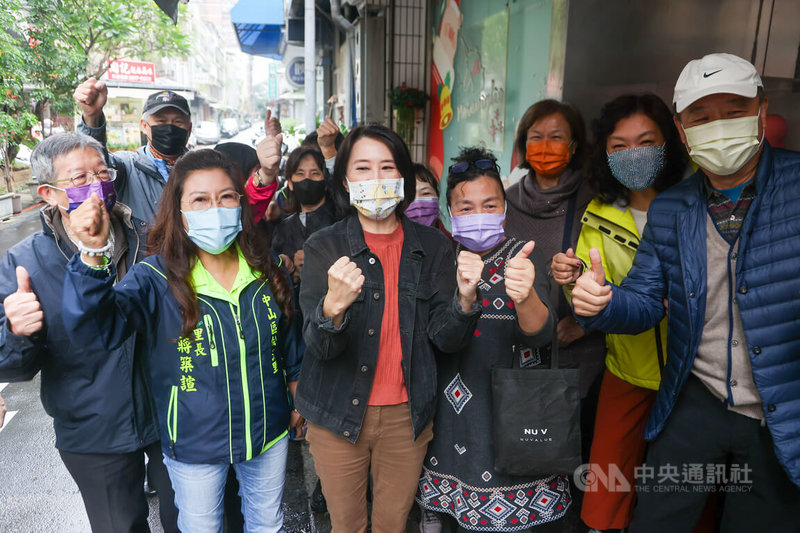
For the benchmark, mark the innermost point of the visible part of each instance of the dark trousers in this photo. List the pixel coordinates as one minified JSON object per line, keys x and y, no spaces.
{"x":700,"y":433}
{"x":112,"y":488}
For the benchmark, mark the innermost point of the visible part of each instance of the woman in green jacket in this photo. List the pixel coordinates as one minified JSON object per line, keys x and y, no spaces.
{"x":637,"y":154}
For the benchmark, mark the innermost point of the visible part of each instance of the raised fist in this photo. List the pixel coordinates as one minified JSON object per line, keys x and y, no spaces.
{"x":91,"y":96}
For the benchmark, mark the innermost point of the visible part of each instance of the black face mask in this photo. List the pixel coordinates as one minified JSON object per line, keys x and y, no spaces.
{"x":309,"y":192}
{"x":168,"y":139}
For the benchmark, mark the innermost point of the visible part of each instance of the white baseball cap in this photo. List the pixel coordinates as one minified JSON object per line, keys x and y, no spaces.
{"x":712,"y":74}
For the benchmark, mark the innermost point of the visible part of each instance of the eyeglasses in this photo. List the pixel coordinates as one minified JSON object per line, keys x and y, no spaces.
{"x":202,"y":201}
{"x":84,"y":178}
{"x":480,"y":164}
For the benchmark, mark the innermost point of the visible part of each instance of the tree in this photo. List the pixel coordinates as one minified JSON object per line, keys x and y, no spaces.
{"x":109,"y":29}
{"x":47,"y":47}
{"x":19,"y":58}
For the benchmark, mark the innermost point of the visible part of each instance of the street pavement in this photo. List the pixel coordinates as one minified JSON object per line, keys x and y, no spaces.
{"x":37,"y":494}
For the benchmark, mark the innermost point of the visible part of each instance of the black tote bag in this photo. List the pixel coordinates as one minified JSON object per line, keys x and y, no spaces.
{"x":536,"y":419}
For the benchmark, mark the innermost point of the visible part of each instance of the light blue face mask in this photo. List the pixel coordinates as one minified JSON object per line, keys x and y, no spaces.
{"x":637,"y":168}
{"x":213,"y":230}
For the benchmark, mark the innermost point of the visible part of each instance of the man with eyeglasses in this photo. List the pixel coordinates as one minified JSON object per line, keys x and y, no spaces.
{"x":102,"y":410}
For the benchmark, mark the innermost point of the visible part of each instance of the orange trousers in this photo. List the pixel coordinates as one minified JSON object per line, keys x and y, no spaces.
{"x":622,"y":411}
{"x":618,"y":442}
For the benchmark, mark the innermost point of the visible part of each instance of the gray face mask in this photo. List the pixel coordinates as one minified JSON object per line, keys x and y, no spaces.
{"x":637,"y":168}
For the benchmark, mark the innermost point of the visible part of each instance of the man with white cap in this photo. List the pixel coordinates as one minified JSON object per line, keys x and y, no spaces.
{"x":720,"y":250}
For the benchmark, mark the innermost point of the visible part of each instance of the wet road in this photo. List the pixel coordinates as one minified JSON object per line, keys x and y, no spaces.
{"x":37,"y":494}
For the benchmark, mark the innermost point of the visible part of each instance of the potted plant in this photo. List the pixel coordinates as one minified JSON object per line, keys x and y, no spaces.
{"x":405,"y":102}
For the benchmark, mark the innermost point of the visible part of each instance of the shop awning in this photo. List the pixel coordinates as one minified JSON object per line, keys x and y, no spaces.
{"x":258,"y":25}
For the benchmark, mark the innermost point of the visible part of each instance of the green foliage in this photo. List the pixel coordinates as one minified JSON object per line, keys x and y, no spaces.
{"x":403,"y":96}
{"x":111,"y":29}
{"x":47,"y":47}
{"x":128,"y":147}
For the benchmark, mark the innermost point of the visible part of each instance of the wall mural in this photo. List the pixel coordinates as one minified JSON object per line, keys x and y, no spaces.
{"x":445,"y":43}
{"x":481,"y":82}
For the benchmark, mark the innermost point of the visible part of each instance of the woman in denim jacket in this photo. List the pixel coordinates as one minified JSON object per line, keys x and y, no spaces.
{"x":380,"y":293}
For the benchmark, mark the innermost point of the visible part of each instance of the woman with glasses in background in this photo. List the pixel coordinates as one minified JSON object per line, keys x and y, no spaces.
{"x":458,"y":477}
{"x":217,"y":315}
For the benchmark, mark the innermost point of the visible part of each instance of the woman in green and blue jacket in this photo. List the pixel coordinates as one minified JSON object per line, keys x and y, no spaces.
{"x":217,"y":313}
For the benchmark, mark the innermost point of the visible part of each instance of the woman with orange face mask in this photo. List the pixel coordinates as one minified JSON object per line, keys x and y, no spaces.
{"x":546,"y":206}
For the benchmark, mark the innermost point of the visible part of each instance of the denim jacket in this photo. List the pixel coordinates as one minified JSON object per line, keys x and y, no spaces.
{"x":339,"y":366}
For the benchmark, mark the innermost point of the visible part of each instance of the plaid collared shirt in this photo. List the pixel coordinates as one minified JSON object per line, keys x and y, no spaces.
{"x":728,"y":216}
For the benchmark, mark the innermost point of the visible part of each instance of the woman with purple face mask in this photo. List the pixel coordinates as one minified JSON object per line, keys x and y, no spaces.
{"x":425,"y":207}
{"x":515,"y":328}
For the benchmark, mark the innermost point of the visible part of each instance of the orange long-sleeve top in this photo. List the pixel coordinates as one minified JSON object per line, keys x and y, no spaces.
{"x":388,"y":386}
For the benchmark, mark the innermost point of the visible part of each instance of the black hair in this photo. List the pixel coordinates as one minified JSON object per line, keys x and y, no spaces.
{"x":245,"y":156}
{"x":470,"y":155}
{"x":402,"y":161}
{"x":423,"y":173}
{"x":675,"y":156}
{"x":545,"y":108}
{"x":312,"y":139}
{"x":294,"y":160}
{"x":168,"y":238}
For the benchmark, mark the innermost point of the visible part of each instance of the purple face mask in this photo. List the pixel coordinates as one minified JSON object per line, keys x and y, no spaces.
{"x":77,"y":195}
{"x":423,"y":210}
{"x":479,"y":232}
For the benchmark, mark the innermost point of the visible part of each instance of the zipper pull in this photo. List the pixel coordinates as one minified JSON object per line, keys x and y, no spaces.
{"x":172,"y":450}
{"x":239,"y":327}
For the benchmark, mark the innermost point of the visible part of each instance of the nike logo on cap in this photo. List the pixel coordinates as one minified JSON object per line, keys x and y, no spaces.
{"x":707,"y":74}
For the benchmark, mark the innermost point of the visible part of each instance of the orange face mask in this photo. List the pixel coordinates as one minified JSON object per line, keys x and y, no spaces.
{"x":547,"y":158}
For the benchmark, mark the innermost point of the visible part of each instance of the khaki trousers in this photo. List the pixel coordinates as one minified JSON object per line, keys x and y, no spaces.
{"x":386,"y":450}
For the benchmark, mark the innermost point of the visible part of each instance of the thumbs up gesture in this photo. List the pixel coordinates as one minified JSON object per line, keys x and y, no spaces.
{"x":591,"y":295}
{"x":23,"y":310}
{"x":269,"y":150}
{"x":565,"y":267}
{"x":520,"y":274}
{"x":326,"y":137}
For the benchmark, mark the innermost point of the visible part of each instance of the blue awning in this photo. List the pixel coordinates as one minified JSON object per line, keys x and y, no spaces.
{"x":258,"y":25}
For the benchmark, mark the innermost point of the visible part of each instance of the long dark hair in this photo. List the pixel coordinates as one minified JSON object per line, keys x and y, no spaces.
{"x":295,"y":158}
{"x":675,"y":157}
{"x":402,"y":160}
{"x":169,"y":240}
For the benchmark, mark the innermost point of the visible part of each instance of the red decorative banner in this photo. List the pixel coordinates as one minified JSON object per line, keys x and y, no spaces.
{"x":445,"y":43}
{"x":135,"y":71}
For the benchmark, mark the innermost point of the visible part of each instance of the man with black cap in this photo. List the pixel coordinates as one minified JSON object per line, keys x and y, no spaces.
{"x":166,"y":122}
{"x":720,"y":249}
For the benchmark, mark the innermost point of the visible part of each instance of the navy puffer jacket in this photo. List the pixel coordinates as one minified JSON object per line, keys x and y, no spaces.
{"x":671,"y":263}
